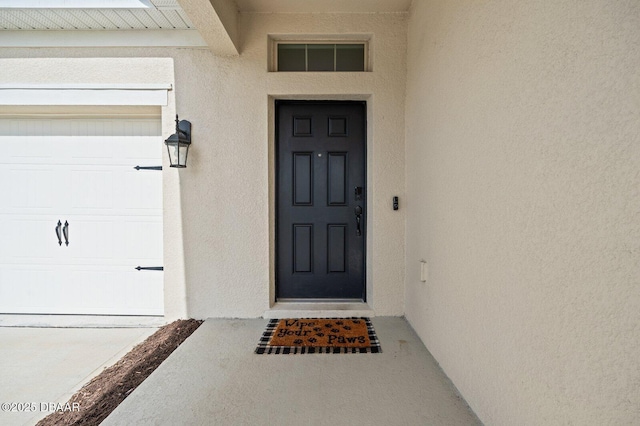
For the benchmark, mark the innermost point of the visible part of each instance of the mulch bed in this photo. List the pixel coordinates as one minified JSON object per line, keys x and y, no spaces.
{"x":98,"y":398}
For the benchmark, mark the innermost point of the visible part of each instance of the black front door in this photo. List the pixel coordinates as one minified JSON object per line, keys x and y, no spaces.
{"x":320,"y":190}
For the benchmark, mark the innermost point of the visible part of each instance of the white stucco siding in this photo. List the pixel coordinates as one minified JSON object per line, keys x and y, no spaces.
{"x":523,"y":151}
{"x":221,"y":202}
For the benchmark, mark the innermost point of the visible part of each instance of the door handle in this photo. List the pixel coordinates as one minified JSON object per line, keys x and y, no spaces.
{"x":58,"y":233}
{"x":358,"y":212}
{"x":65,"y":232}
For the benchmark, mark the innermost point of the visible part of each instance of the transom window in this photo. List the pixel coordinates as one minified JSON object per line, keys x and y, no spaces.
{"x":320,"y":56}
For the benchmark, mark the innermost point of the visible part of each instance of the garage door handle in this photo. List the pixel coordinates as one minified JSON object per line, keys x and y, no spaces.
{"x":65,"y":232}
{"x":58,"y":233}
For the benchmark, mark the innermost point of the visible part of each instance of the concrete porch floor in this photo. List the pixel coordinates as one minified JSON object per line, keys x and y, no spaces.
{"x":214,"y":378}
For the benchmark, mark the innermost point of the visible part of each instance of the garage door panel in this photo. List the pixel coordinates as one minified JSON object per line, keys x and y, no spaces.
{"x":26,"y":187}
{"x":139,"y":190}
{"x":49,"y":127}
{"x":29,"y":240}
{"x":142,"y":240}
{"x":80,"y":190}
{"x":30,"y":289}
{"x":91,"y":241}
{"x":120,"y":291}
{"x":91,"y":291}
{"x":139,"y":148}
{"x":114,"y":151}
{"x":144,"y":294}
{"x":32,"y":188}
{"x":91,"y":189}
{"x":96,"y":291}
{"x":118,"y":240}
{"x":30,"y":150}
{"x":92,"y":150}
{"x":81,"y":171}
{"x":116,"y":190}
{"x":81,"y":141}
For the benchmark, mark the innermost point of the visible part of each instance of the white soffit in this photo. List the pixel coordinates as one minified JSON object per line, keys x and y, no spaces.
{"x":96,"y":23}
{"x":323,"y":6}
{"x":74,"y":4}
{"x":93,"y":15}
{"x":142,"y":95}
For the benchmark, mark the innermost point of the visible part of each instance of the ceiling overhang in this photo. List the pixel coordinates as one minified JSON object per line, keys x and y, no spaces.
{"x":181,"y":23}
{"x":217,"y":22}
{"x":126,"y":23}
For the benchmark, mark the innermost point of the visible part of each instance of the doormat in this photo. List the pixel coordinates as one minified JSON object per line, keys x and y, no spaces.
{"x":319,"y":336}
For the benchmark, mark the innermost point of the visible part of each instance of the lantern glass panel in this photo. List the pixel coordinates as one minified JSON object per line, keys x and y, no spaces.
{"x":183,"y":150}
{"x":178,"y":154}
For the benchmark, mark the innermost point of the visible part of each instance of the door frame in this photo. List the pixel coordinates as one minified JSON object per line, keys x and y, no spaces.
{"x":272,"y":181}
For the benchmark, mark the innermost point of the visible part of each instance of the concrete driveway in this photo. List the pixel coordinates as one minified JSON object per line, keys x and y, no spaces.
{"x":43,"y":366}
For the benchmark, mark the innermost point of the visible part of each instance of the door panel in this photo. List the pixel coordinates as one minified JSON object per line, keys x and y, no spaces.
{"x":302,"y":179}
{"x":302,"y":248}
{"x":337,"y":176}
{"x":337,"y":248}
{"x":320,"y":162}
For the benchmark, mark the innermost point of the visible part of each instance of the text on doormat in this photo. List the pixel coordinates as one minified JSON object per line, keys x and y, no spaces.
{"x":321,"y":332}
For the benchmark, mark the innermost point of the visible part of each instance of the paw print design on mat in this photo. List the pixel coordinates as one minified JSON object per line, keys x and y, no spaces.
{"x":298,"y":341}
{"x":328,"y":325}
{"x":313,"y":340}
{"x":339,"y":322}
{"x":335,"y":330}
{"x":346,"y":327}
{"x":316,"y":329}
{"x":356,"y":321}
{"x":320,"y":334}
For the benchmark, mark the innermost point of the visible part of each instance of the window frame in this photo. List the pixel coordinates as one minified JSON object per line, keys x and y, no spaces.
{"x":273,"y":63}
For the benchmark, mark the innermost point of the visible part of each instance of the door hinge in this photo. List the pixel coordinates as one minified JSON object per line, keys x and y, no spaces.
{"x":148,"y":167}
{"x":149,"y":268}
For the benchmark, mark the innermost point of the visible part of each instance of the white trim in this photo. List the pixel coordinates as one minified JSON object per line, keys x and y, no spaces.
{"x":102,"y":38}
{"x":67,"y":111}
{"x":60,"y":95}
{"x":75,"y":4}
{"x":81,"y":321}
{"x":74,"y":86}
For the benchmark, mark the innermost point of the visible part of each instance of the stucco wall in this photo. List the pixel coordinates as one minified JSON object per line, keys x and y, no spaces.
{"x":523,"y":196}
{"x":225,"y":191}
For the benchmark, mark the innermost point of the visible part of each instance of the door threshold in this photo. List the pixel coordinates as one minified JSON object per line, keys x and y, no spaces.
{"x":309,"y":300}
{"x":315,"y":309}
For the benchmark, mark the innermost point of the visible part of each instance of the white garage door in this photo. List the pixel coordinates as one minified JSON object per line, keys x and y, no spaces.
{"x":80,"y":172}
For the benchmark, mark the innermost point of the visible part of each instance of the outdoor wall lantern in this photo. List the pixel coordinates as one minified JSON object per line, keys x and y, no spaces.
{"x":178,"y":144}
